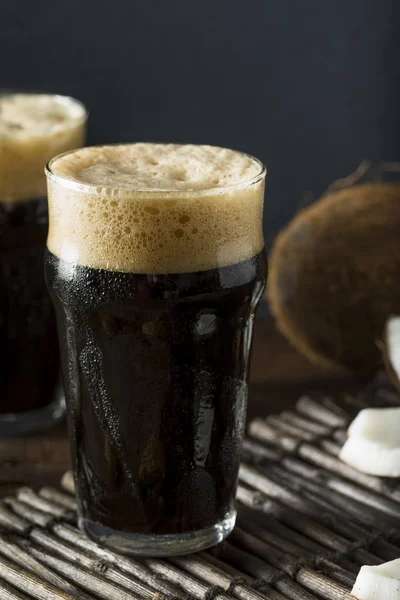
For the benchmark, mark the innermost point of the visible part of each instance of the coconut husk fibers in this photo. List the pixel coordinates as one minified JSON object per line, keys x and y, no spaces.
{"x":335,"y":275}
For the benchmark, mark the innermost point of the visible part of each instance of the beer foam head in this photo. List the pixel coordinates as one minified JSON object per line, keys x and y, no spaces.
{"x":33,"y":129}
{"x":155,"y":208}
{"x":157,"y":167}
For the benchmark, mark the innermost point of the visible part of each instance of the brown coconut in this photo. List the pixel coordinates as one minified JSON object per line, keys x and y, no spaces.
{"x":335,"y":275}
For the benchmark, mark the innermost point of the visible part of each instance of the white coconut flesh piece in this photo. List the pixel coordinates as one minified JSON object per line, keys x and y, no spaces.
{"x":373,"y":445}
{"x":380,"y":582}
{"x":393,"y":344}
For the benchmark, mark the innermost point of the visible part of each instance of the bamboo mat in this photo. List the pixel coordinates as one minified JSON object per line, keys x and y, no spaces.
{"x":306,"y":523}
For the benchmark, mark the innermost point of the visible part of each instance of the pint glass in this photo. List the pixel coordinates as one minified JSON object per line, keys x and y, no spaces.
{"x":155,"y":263}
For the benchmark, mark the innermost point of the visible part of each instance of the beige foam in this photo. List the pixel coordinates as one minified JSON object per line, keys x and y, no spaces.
{"x":33,"y":129}
{"x":138,"y":228}
{"x":157,"y":167}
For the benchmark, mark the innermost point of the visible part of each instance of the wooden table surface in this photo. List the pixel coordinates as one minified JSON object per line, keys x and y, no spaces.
{"x":278,"y":376}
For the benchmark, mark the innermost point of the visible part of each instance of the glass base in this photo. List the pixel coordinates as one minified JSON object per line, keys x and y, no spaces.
{"x":33,"y":421}
{"x":159,"y":545}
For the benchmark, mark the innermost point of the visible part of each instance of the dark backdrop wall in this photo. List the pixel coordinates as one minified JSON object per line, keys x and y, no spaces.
{"x":310,"y":87}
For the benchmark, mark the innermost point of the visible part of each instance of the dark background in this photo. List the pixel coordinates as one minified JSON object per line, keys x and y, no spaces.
{"x":310,"y":87}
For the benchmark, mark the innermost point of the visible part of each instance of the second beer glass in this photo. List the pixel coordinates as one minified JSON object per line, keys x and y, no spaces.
{"x":33,"y":128}
{"x":155,"y":263}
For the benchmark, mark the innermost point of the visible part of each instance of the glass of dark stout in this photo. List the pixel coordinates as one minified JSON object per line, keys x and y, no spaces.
{"x":33,"y":127}
{"x":155,"y":263}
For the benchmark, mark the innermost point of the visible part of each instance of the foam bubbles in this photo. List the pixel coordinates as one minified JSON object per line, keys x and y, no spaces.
{"x":195,"y":227}
{"x":153,"y":167}
{"x":33,"y":129}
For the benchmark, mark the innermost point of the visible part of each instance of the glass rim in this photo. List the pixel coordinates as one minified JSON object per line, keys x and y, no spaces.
{"x":100,"y":190}
{"x":64,"y":97}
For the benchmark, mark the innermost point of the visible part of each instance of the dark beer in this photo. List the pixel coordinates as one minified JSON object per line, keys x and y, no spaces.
{"x":28,"y":337}
{"x":157,"y":418}
{"x":32,"y":128}
{"x":155,"y":294}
